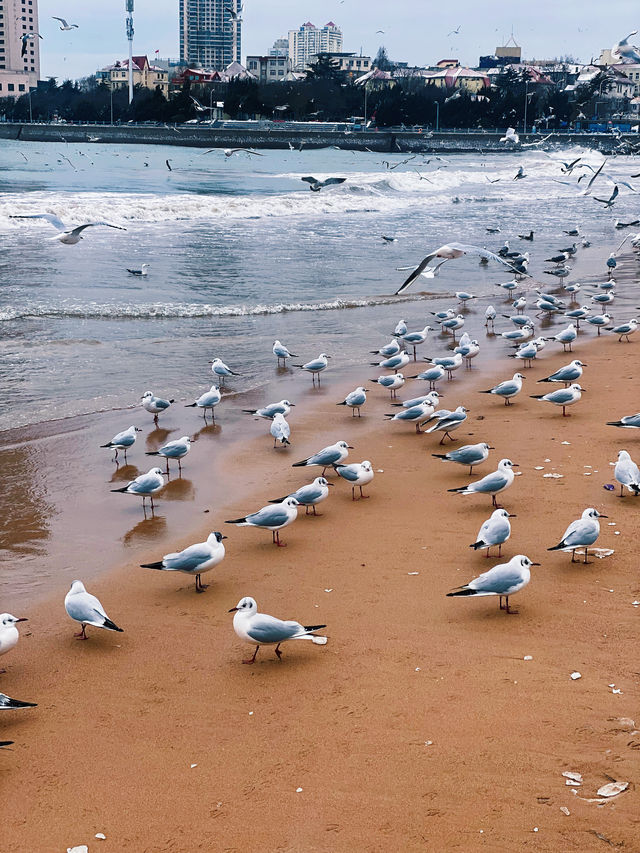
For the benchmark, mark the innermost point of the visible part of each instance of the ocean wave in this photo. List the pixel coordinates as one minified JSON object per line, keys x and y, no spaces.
{"x":194,"y":310}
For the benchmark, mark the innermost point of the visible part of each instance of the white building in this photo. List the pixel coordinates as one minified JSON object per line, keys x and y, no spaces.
{"x":280,"y":48}
{"x":18,"y":74}
{"x":309,"y":40}
{"x":210,"y":33}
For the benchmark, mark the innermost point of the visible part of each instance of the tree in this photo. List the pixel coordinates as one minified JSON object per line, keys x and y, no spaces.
{"x":324,"y":68}
{"x":382,"y":59}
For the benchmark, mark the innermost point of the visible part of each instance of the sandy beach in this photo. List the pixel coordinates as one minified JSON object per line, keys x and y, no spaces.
{"x":420,"y":726}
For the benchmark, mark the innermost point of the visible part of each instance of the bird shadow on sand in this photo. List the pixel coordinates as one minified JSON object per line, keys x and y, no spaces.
{"x":146,"y":530}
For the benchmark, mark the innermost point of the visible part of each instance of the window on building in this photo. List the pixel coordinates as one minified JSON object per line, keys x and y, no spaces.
{"x":11,"y":87}
{"x":21,"y":87}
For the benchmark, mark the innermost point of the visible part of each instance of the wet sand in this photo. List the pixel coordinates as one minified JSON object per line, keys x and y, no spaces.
{"x":419,"y":726}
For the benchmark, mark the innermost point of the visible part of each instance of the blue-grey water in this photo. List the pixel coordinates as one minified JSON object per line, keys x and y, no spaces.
{"x":240,"y":253}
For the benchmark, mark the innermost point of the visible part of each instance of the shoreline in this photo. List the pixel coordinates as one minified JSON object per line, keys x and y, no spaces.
{"x":395,"y":683}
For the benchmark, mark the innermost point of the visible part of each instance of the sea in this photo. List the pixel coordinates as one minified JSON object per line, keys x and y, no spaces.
{"x":241,"y":253}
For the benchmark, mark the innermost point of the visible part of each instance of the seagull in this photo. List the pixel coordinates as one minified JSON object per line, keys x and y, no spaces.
{"x":177,"y":449}
{"x":432,"y":375}
{"x":358,"y":474}
{"x":9,"y":704}
{"x":528,"y":236}
{"x":456,"y":31}
{"x":604,"y":299}
{"x":389,"y":239}
{"x":470,"y":454}
{"x":273,"y":517}
{"x":268,"y":412}
{"x":567,"y":374}
{"x":510,"y":136}
{"x":580,"y":534}
{"x":229,"y":152}
{"x":123,"y":441}
{"x":280,"y":430}
{"x":355,"y":400}
{"x":219,"y":368}
{"x":448,"y":363}
{"x":25,"y":38}
{"x":453,"y":324}
{"x":208,"y":400}
{"x":194,"y":560}
{"x":418,"y":414}
{"x":394,"y":362}
{"x":448,"y":421}
{"x":507,"y":389}
{"x":490,"y":315}
{"x":433,"y":398}
{"x":315,"y":366}
{"x":392,"y":348}
{"x":309,"y":495}
{"x":401,"y":328}
{"x":600,"y":320}
{"x":519,"y":174}
{"x":145,"y":485}
{"x":232,"y":13}
{"x":519,"y":335}
{"x":144,"y":270}
{"x":491,"y":484}
{"x":328,"y":456}
{"x":495,"y":531}
{"x":626,"y":329}
{"x":449,"y":252}
{"x":392,"y":383}
{"x":527,"y":353}
{"x":259,"y":629}
{"x":503,"y":580}
{"x":155,"y":405}
{"x":578,"y":314}
{"x":468,"y":351}
{"x":8,"y":632}
{"x":627,"y":422}
{"x":282,"y":353}
{"x":608,"y":202}
{"x":566,"y":337}
{"x":562,"y":397}
{"x":315,"y":185}
{"x":627,"y":473}
{"x":414,"y":339}
{"x":68,"y":236}
{"x":64,"y":26}
{"x":623,"y":50}
{"x":86,"y":609}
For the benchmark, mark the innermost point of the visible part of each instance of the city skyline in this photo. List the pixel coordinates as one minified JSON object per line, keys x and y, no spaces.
{"x":419,"y":36}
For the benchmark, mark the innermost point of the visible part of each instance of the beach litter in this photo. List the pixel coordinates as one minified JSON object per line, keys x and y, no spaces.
{"x":609,"y":487}
{"x":298,"y":790}
{"x":553,"y":476}
{"x":612,"y":789}
{"x":601,"y":553}
{"x":101,"y":836}
{"x":528,"y":657}
{"x":571,"y":777}
{"x":81,"y":848}
{"x":575,"y":676}
{"x":565,"y":810}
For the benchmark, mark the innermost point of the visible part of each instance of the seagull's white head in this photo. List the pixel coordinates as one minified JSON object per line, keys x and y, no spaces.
{"x":246,"y":605}
{"x":366,"y":465}
{"x":7,"y":620}
{"x":147,"y":395}
{"x":344,"y":446}
{"x":623,"y":456}
{"x":590,"y":512}
{"x":291,"y":502}
{"x":157,"y":471}
{"x":216,"y":536}
{"x":500,"y":513}
{"x":506,"y":464}
{"x":519,"y":376}
{"x":320,"y":481}
{"x":324,"y":355}
{"x":77,"y":587}
{"x":576,"y":387}
{"x":523,"y":561}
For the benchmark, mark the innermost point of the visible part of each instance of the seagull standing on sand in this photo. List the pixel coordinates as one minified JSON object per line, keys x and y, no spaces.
{"x":145,"y":485}
{"x":448,"y":252}
{"x":627,"y":473}
{"x":68,"y":236}
{"x":627,"y":422}
{"x":562,"y":397}
{"x":503,"y":580}
{"x":580,"y":534}
{"x":392,"y":348}
{"x":315,"y":367}
{"x":495,"y":531}
{"x":567,"y":374}
{"x":8,"y":632}
{"x":87,"y":610}
{"x":280,"y":430}
{"x":194,"y":560}
{"x":357,"y":474}
{"x":355,"y":400}
{"x":418,"y":414}
{"x":123,"y":441}
{"x":328,"y":456}
{"x":259,"y":629}
{"x":282,"y":353}
{"x":470,"y":454}
{"x":626,"y":329}
{"x":392,"y":383}
{"x":447,"y":422}
{"x":154,"y":405}
{"x":273,"y":517}
{"x":394,"y":362}
{"x":269,"y":411}
{"x":177,"y":449}
{"x":309,"y":495}
{"x":448,"y":363}
{"x":414,"y":339}
{"x":492,"y":484}
{"x":208,"y":400}
{"x":565,"y":337}
{"x":508,"y":389}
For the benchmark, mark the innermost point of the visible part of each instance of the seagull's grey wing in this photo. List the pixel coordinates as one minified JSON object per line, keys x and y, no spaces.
{"x":143,"y":483}
{"x":308,"y":494}
{"x":424,"y":263}
{"x":268,"y":629}
{"x":310,"y":179}
{"x":580,"y":532}
{"x":324,"y":457}
{"x":497,"y":580}
{"x":631,"y":420}
{"x":269,"y":516}
{"x":62,"y":20}
{"x":493,"y":481}
{"x":91,"y":224}
{"x":190,"y":558}
{"x":315,"y":364}
{"x":507,"y":387}
{"x":330,"y":181}
{"x":174,"y":449}
{"x":348,"y":472}
{"x":560,"y":397}
{"x":50,"y":217}
{"x":84,"y":608}
{"x":465,"y":455}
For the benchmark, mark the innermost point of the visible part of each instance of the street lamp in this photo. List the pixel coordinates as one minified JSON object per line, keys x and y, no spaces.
{"x":437,"y":103}
{"x":30,"y":111}
{"x":111,"y":98}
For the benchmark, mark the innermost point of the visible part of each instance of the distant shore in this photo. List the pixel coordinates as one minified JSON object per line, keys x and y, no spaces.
{"x":380,"y":141}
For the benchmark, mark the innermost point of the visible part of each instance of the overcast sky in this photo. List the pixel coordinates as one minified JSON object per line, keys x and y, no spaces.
{"x":416,"y":31}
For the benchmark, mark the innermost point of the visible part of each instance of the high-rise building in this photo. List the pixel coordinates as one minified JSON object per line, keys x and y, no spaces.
{"x":18,"y":74}
{"x":280,"y":48}
{"x":210,"y":32}
{"x":309,"y":40}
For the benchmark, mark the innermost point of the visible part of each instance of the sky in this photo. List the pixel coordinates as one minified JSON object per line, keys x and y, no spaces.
{"x":416,"y":31}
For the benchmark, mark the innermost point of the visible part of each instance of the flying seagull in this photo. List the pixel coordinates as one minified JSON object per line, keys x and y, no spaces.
{"x":623,"y":50}
{"x":229,"y":152}
{"x":64,"y":26}
{"x":316,"y":185}
{"x":608,"y":202}
{"x":25,"y":38}
{"x":449,"y":252}
{"x":68,"y":236}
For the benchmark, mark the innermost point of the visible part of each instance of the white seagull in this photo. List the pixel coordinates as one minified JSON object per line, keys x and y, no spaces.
{"x":269,"y":411}
{"x":8,"y":632}
{"x":177,"y":449}
{"x":470,"y":454}
{"x":447,"y":421}
{"x":273,"y":517}
{"x":493,"y":483}
{"x":315,"y":366}
{"x":627,"y":473}
{"x":328,"y":456}
{"x":123,"y":441}
{"x":357,"y":474}
{"x":208,"y":400}
{"x":562,"y":397}
{"x":145,"y":485}
{"x":259,"y":629}
{"x":87,"y":610}
{"x":503,"y":580}
{"x":449,"y":252}
{"x":282,"y":353}
{"x":508,"y":389}
{"x":280,"y":430}
{"x":580,"y":534}
{"x":154,"y":405}
{"x":64,"y":26}
{"x":627,"y":422}
{"x":495,"y":531}
{"x":194,"y":560}
{"x":354,"y":400}
{"x":69,"y":236}
{"x":309,"y":495}
{"x":219,"y":368}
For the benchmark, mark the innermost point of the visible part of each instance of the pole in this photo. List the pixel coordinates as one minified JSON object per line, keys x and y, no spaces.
{"x":526,"y":104}
{"x":129,"y":26}
{"x":30,"y":112}
{"x":364,"y":123}
{"x":111,"y":99}
{"x":437,"y":116}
